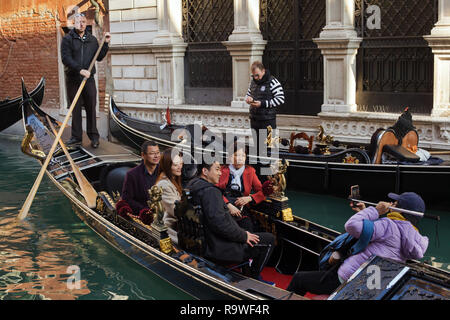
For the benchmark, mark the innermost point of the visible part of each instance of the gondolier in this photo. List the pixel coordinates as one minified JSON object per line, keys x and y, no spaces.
{"x":265,"y":94}
{"x":78,"y":48}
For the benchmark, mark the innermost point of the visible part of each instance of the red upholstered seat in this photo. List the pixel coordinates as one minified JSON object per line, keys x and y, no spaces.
{"x":313,"y":296}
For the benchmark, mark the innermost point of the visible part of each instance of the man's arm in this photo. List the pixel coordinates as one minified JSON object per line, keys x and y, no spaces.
{"x":219,"y":220}
{"x":128,"y":194}
{"x":103,"y":52}
{"x":278,"y":95}
{"x":66,"y":56}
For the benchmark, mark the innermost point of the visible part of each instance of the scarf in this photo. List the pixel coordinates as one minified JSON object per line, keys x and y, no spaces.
{"x":397,"y":216}
{"x":236,"y":175}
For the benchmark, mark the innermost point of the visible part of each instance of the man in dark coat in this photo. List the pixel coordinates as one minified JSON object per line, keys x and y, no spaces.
{"x":140,"y":179}
{"x":78,"y":48}
{"x":225,"y":240}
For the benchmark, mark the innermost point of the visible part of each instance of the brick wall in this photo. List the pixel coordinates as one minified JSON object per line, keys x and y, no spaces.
{"x":28,"y":49}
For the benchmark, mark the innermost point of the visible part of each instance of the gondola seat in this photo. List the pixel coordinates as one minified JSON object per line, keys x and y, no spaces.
{"x":113,"y":176}
{"x":400,"y":153}
{"x":191,"y":236}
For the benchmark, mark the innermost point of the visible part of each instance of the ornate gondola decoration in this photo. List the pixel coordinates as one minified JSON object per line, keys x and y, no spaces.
{"x":158,"y":229}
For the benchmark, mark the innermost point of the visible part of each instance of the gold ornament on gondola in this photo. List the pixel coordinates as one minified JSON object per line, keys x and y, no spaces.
{"x":271,"y":141}
{"x":279,"y":180}
{"x":27,"y":147}
{"x":158,"y":229}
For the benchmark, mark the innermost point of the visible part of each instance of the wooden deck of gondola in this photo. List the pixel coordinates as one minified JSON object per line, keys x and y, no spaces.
{"x":86,"y":156}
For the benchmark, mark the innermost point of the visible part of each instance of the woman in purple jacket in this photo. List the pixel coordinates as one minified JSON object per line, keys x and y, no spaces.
{"x":394,"y":237}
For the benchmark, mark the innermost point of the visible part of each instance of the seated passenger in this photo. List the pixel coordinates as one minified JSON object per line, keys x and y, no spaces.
{"x":238,"y":181}
{"x":140,"y":179}
{"x":394,"y":237}
{"x":225,"y":240}
{"x":170,"y":180}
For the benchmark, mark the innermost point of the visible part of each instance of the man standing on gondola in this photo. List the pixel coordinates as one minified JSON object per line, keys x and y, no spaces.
{"x":78,"y":48}
{"x":264,"y":96}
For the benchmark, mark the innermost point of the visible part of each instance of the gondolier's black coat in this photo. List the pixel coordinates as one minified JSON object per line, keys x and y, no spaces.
{"x":225,"y":240}
{"x":77,"y":53}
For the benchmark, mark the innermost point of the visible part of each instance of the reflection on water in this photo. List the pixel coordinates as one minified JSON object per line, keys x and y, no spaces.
{"x":39,"y":255}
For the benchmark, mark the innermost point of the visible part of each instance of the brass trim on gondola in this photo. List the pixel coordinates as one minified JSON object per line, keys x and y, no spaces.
{"x":27,"y":147}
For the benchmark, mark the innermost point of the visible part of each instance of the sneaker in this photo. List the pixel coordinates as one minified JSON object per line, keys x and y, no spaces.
{"x":95,"y":144}
{"x":73,"y":142}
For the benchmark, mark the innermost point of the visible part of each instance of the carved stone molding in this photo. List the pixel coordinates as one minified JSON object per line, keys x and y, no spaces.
{"x":359,"y":128}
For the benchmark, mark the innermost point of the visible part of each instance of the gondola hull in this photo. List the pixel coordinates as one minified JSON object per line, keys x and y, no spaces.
{"x":320,"y":174}
{"x":11,"y":110}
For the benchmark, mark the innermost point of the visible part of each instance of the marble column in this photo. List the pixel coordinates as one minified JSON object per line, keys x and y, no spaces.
{"x":245,"y":45}
{"x":169,"y":49}
{"x":339,"y":44}
{"x":439,"y":41}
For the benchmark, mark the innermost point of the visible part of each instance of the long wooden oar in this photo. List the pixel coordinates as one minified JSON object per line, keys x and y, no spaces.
{"x":26,"y":206}
{"x":87,"y":190}
{"x":414,"y":213}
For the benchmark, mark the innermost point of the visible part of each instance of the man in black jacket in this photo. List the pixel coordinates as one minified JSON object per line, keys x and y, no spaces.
{"x":265,"y":94}
{"x":225,"y":240}
{"x":78,"y":48}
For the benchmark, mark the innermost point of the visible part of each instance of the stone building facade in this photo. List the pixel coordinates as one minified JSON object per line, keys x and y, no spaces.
{"x":152,"y":53}
{"x":195,"y":56}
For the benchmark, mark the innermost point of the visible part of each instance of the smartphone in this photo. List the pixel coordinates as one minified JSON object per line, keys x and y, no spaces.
{"x":354,"y":192}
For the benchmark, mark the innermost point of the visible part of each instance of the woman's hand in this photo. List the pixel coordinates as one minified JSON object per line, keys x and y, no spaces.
{"x":383,"y":207}
{"x":234,"y":211}
{"x":358,"y":206}
{"x":242,"y":201}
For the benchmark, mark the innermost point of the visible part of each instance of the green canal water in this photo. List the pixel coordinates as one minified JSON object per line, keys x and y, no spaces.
{"x":39,"y":256}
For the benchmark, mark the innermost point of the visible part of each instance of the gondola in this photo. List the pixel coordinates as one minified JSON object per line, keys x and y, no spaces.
{"x":10,"y":110}
{"x":299,"y":241}
{"x":333,"y":171}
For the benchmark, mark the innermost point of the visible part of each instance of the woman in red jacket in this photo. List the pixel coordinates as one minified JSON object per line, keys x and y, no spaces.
{"x":238,"y":181}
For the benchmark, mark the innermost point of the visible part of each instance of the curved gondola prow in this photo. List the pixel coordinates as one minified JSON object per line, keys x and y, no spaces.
{"x":11,"y":110}
{"x":31,"y":103}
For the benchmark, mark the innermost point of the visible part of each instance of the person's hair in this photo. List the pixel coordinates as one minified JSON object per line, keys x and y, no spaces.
{"x":165,"y":169}
{"x":237,"y":146}
{"x":257,"y":64}
{"x":203,"y":165}
{"x":146,"y":144}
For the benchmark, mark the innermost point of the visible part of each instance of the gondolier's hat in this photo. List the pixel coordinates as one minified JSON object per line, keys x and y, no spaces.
{"x":409,"y":201}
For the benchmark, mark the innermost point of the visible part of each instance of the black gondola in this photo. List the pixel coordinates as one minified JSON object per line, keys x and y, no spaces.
{"x":11,"y":110}
{"x":326,"y":174}
{"x":299,"y":242}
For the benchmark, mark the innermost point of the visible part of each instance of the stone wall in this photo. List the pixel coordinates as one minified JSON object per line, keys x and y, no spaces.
{"x":132,"y":22}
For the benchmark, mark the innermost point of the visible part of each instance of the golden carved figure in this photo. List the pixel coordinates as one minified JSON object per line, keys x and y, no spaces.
{"x":155,"y":205}
{"x":271,"y":141}
{"x":27,"y":147}
{"x":279,"y":180}
{"x":322,"y":138}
